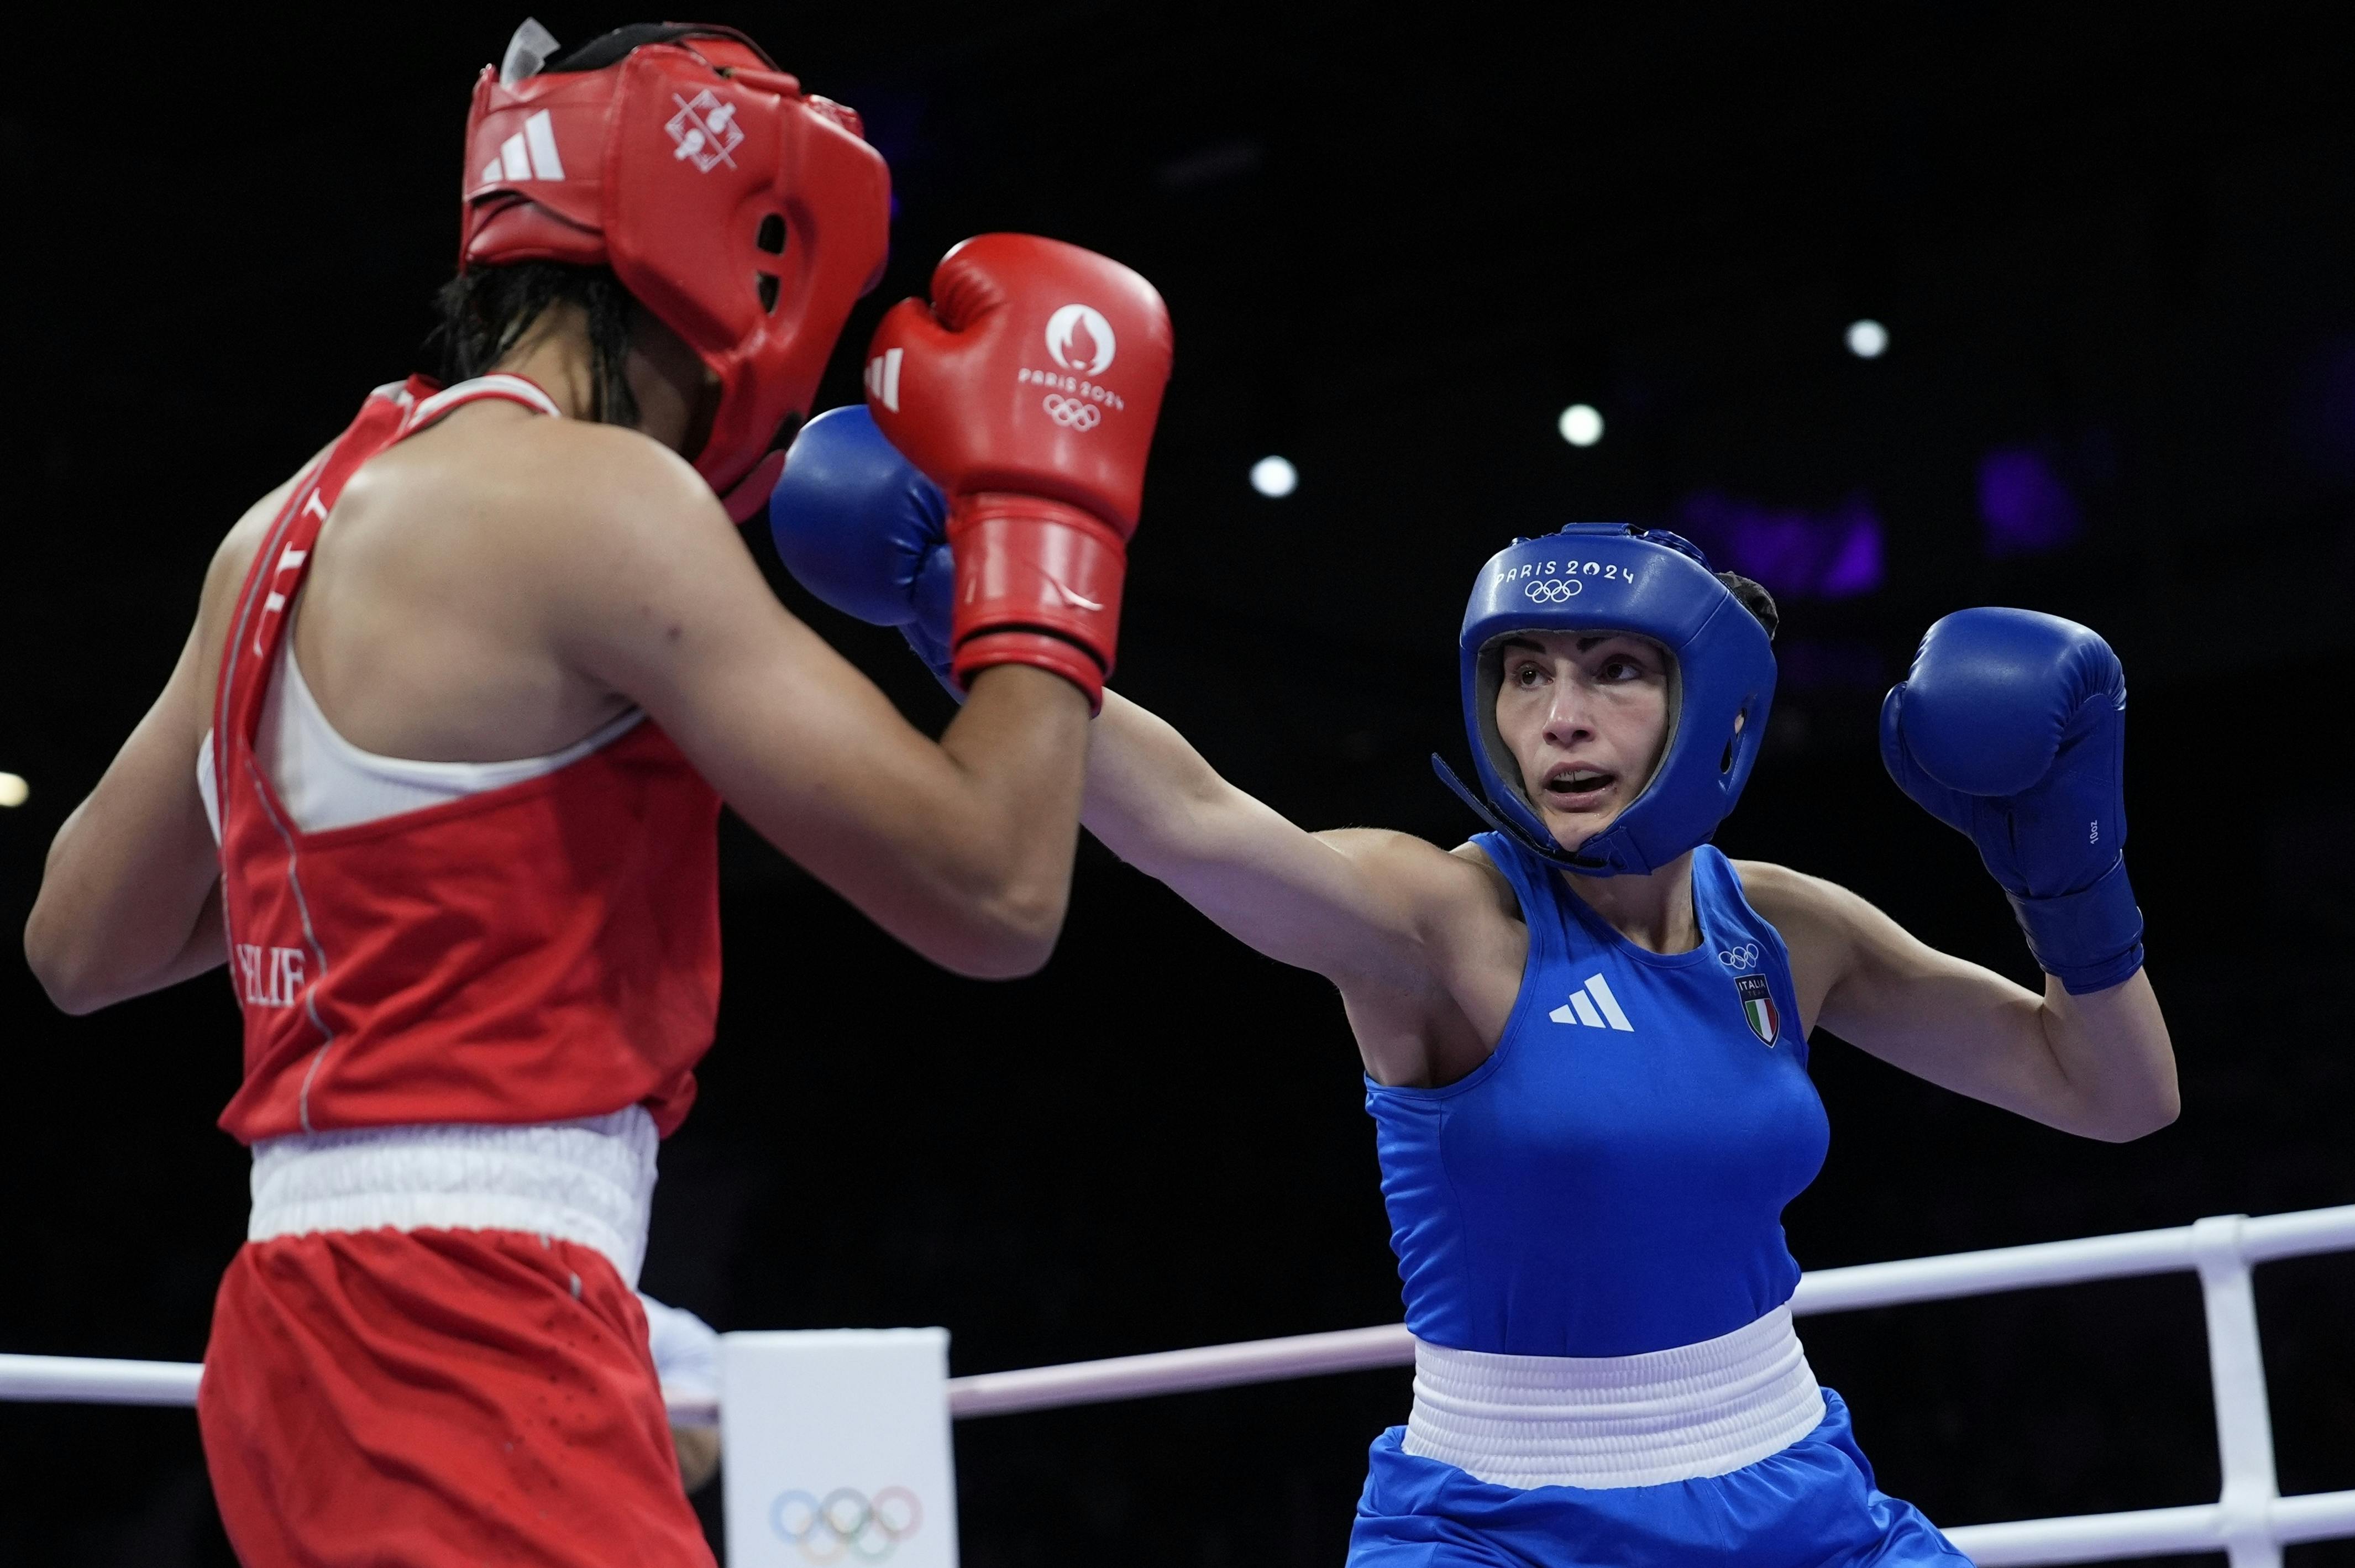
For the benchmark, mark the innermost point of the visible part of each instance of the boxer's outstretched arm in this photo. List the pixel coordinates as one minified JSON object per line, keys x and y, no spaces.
{"x":962,"y":848}
{"x":2098,"y":1064}
{"x":1373,"y":911}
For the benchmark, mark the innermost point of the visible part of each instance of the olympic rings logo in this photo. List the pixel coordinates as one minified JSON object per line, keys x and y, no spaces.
{"x":1071,"y":413}
{"x":1742,"y":958}
{"x":1552,"y":590}
{"x":846,"y":1523}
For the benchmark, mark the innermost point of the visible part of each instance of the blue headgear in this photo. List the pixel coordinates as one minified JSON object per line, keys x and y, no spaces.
{"x":1611,"y":577}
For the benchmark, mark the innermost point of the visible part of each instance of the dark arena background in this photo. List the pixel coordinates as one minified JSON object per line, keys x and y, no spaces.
{"x":2111,"y":255}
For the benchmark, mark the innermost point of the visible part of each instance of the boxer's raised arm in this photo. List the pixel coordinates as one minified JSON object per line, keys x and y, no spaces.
{"x":2009,"y":728}
{"x":1361,"y":906}
{"x":2096,"y":1064}
{"x":960,"y":849}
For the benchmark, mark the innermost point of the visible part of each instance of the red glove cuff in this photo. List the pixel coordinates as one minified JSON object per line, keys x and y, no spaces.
{"x":1040,"y":650}
{"x":1037,"y":583}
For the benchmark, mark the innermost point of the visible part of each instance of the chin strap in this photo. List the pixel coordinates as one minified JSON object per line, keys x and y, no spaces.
{"x":1553,"y":854}
{"x":748,"y":496}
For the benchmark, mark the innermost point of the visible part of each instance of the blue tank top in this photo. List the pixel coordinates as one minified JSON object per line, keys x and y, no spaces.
{"x":1612,"y":1180}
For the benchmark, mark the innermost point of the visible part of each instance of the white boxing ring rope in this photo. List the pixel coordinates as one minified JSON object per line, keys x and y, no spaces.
{"x":2250,"y":1522}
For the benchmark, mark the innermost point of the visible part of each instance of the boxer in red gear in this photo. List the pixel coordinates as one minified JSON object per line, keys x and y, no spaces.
{"x":437,"y":776}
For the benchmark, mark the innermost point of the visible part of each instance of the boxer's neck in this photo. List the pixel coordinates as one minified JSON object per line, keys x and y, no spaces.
{"x":554,"y":354}
{"x":665,"y":376}
{"x":1654,"y":911}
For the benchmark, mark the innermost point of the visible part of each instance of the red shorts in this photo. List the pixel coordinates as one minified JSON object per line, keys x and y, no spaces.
{"x":428,"y":1399}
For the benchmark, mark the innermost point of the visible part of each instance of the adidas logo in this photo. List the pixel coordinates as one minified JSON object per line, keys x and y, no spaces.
{"x":529,"y":153}
{"x":1594,"y":1006}
{"x":883,"y":377}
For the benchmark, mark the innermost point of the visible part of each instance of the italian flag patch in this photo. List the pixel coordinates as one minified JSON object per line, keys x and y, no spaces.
{"x":1758,"y":1009}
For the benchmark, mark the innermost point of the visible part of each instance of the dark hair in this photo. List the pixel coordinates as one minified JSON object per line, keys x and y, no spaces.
{"x":1754,"y":599}
{"x":487,"y":311}
{"x":612,"y":48}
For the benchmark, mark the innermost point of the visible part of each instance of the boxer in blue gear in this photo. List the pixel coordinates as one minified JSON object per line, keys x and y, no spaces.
{"x":1585,"y":1031}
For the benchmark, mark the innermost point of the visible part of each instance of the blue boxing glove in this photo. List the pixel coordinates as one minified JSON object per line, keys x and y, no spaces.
{"x":859,"y":527}
{"x":2011,"y":728}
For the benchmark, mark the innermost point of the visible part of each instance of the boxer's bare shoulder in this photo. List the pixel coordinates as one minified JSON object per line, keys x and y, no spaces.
{"x":460,"y":565}
{"x":498,"y":484}
{"x":233,"y":559}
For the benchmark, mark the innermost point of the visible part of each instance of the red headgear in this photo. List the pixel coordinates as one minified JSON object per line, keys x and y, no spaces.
{"x":747,"y":215}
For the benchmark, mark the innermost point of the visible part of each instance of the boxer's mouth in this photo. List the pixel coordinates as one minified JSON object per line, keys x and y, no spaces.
{"x":1573,"y":786}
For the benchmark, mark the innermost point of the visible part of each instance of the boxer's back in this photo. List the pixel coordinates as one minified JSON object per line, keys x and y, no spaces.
{"x":431,"y":624}
{"x":521,"y":949}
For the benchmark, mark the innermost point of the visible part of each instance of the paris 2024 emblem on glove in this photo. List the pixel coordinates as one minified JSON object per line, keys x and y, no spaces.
{"x":1027,"y":389}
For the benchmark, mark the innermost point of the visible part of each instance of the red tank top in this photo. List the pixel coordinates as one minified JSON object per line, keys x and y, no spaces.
{"x":533,"y":953}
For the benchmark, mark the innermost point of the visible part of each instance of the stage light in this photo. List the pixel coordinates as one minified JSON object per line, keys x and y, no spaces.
{"x":1274,"y":477}
{"x":1831,"y":552}
{"x":2027,"y":508}
{"x":1580,"y":425}
{"x":1867,"y":339}
{"x":14,"y":790}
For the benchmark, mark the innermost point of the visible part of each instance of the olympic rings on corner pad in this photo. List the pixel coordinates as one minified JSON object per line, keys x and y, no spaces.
{"x":846,"y":1523}
{"x":1074,"y":413}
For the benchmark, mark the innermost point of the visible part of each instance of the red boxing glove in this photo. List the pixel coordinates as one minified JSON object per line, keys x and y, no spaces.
{"x":1028,"y":391}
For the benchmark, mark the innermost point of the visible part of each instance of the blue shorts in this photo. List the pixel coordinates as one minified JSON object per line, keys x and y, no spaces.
{"x":1811,"y":1505}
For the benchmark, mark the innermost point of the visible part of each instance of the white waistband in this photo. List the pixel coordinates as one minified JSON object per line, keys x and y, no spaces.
{"x":588,"y":1181}
{"x":1615,"y":1421}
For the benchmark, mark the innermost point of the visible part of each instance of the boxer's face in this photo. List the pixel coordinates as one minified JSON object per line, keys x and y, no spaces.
{"x":1586,"y":715}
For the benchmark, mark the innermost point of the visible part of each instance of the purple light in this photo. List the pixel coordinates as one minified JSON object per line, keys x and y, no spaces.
{"x":2025,"y":507}
{"x":2323,"y":422}
{"x":1796,"y":553}
{"x":1837,"y":666}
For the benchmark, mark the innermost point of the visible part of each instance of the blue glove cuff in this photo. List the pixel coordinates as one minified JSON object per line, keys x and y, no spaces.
{"x":2089,"y":940}
{"x":933,"y":654}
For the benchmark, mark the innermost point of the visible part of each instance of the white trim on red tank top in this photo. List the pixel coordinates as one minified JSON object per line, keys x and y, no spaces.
{"x":517,"y":388}
{"x":326,"y":781}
